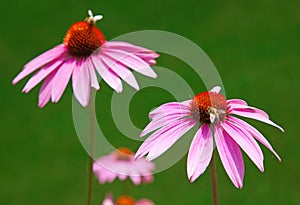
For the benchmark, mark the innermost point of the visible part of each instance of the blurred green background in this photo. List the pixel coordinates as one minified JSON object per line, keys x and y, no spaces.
{"x":254,"y":44}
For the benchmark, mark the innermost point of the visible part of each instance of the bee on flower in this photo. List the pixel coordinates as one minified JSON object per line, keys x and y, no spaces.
{"x":218,"y":126}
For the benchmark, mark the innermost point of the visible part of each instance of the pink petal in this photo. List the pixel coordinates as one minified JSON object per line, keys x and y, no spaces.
{"x":40,"y":61}
{"x":61,"y":80}
{"x":148,"y":57}
{"x":122,"y":177}
{"x":158,"y":123}
{"x":136,"y":179}
{"x":81,"y":86}
{"x":106,"y":176}
{"x":131,"y":61}
{"x":45,"y":91}
{"x":145,"y":54}
{"x":108,"y":200}
{"x":93,"y":75}
{"x":215,"y":89}
{"x":41,"y":74}
{"x":255,"y":133}
{"x":146,"y":167}
{"x":236,"y":101}
{"x":124,"y":46}
{"x":121,"y":71}
{"x":246,"y":142}
{"x":144,"y":202}
{"x":153,"y":139}
{"x":231,"y":156}
{"x":148,"y":178}
{"x":254,"y":115}
{"x":169,"y":109}
{"x":200,"y":152}
{"x":169,"y":137}
{"x":243,"y":107}
{"x":165,"y":114}
{"x":111,"y":176}
{"x":108,"y":76}
{"x":104,"y":173}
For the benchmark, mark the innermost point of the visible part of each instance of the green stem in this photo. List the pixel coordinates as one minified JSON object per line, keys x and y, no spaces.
{"x":213,"y":179}
{"x":91,"y":151}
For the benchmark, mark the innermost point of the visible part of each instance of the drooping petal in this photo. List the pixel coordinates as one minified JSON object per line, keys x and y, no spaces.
{"x":231,"y":156}
{"x":108,"y":168}
{"x":122,"y":177}
{"x":246,"y":142}
{"x":169,"y":137}
{"x":45,"y":91}
{"x":148,"y":178}
{"x":131,"y":61}
{"x":41,"y":75}
{"x":92,"y":73}
{"x":40,"y":61}
{"x":254,"y":132}
{"x":61,"y":79}
{"x":144,"y":202}
{"x":124,"y":46}
{"x":233,"y":106}
{"x":76,"y":71}
{"x":166,"y":114}
{"x":254,"y":115}
{"x":163,"y":121}
{"x":108,"y":76}
{"x":137,"y":180}
{"x":200,"y":152}
{"x":82,"y":85}
{"x":169,"y":109}
{"x":178,"y":126}
{"x":106,"y":176}
{"x":121,"y":71}
{"x":236,"y":101}
{"x":148,"y":57}
{"x":108,"y":200}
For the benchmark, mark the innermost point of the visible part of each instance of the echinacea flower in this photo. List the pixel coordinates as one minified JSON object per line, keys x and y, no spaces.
{"x":218,"y":126}
{"x":125,"y":200}
{"x":121,"y":164}
{"x":83,"y":52}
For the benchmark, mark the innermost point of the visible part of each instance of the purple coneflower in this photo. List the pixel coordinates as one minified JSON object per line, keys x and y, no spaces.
{"x":121,"y":164}
{"x":218,"y":127}
{"x":83,"y":52}
{"x":125,"y":200}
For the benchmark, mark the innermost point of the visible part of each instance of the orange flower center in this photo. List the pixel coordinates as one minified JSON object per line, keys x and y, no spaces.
{"x":83,"y":38}
{"x":125,"y":200}
{"x":124,"y":153}
{"x":208,"y":107}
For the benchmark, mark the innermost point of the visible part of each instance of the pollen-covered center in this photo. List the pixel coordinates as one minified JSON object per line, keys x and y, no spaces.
{"x":125,"y":200}
{"x":208,"y":107}
{"x":83,"y":38}
{"x":124,"y":153}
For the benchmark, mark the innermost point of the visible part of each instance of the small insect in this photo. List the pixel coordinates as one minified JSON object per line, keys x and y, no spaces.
{"x":215,"y":114}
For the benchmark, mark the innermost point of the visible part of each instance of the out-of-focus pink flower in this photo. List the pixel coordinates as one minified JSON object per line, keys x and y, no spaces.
{"x":125,"y":200}
{"x":217,"y":126}
{"x":83,"y":53}
{"x":121,"y":164}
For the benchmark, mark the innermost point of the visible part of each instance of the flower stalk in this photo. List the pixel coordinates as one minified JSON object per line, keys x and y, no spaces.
{"x":213,"y":180}
{"x":91,"y":151}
